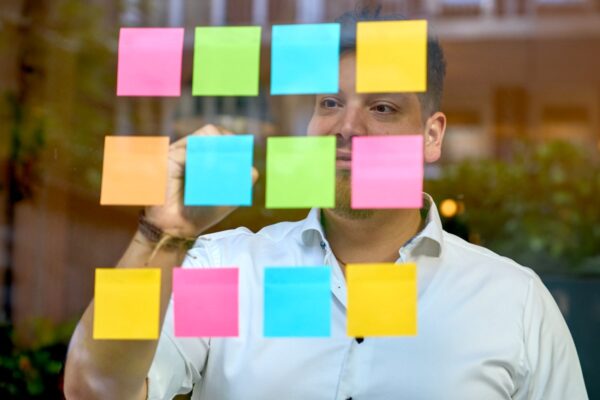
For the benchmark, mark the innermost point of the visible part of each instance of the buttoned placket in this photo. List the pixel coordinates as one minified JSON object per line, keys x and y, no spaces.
{"x":338,"y":283}
{"x":347,"y":380}
{"x":348,"y":375}
{"x":357,"y":353}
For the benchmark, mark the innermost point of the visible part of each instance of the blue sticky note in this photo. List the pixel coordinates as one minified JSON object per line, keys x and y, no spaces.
{"x":297,"y":302}
{"x":305,"y":59}
{"x":218,"y":171}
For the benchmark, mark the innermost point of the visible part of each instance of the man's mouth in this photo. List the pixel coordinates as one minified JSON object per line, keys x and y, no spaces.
{"x":344,"y":155}
{"x":343,"y":159}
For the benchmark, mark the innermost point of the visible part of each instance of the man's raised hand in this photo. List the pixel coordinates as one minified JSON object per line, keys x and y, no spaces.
{"x":173,"y":217}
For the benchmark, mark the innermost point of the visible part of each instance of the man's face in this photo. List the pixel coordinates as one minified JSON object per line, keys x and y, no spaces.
{"x":347,"y":114}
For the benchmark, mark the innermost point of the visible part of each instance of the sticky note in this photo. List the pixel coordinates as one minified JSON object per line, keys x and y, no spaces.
{"x":134,"y":170}
{"x":387,"y":172}
{"x":300,"y":172}
{"x":205,"y":302}
{"x":150,"y":62}
{"x":226,"y":61}
{"x":391,"y":56}
{"x":305,"y":58}
{"x":218,"y":170}
{"x":126,"y":303}
{"x":382,"y":299}
{"x":297,"y":302}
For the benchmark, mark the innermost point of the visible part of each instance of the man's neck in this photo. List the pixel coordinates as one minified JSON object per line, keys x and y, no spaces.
{"x":374,"y":239}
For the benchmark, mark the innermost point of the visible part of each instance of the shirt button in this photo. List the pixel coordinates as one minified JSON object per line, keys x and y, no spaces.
{"x":323,"y":245}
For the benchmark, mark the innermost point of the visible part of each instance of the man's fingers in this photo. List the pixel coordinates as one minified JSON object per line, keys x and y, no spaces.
{"x":177,"y":151}
{"x":206,"y":130}
{"x":254,"y":175}
{"x":177,"y":155}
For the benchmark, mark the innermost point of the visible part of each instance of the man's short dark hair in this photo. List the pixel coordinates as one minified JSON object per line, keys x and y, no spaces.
{"x":436,"y":64}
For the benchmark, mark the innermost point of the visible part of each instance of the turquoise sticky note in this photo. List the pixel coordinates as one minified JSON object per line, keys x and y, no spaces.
{"x":297,"y":302}
{"x":218,"y":170}
{"x":305,"y":59}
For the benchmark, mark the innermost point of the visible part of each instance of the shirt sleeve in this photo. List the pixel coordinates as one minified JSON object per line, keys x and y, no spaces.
{"x":552,"y":368}
{"x":178,"y":362}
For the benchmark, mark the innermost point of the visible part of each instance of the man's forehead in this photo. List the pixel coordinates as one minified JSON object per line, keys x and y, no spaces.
{"x":347,"y":82}
{"x":400,"y":98}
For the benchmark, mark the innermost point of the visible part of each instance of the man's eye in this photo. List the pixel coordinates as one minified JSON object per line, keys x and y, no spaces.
{"x":329,"y":103}
{"x":383,"y":108}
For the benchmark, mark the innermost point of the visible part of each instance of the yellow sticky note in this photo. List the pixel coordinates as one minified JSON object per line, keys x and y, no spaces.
{"x":126,"y":303}
{"x":134,"y":171}
{"x":382,"y":299}
{"x":391,"y":56}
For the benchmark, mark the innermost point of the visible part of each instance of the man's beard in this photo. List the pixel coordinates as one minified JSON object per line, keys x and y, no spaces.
{"x":343,"y":196}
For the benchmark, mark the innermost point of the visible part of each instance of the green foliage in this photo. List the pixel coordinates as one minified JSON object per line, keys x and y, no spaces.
{"x":33,"y":372}
{"x":86,"y":70}
{"x":63,"y":104}
{"x":27,"y":140}
{"x":541,"y":208}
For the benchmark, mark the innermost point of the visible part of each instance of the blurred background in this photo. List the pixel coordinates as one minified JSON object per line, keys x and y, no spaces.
{"x":520,"y":172}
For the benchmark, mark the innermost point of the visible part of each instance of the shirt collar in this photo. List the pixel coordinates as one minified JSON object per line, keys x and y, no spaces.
{"x":427,"y":242}
{"x":312,"y":230}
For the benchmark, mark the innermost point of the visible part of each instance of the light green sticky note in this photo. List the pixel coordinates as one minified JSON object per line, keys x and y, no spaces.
{"x":226,"y":61}
{"x":300,"y":172}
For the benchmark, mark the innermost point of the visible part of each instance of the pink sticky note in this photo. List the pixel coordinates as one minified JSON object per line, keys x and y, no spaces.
{"x":387,"y":172}
{"x":150,"y":62}
{"x":205,"y":302}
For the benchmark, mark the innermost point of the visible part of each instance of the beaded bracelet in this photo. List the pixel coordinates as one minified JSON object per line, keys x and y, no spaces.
{"x":161,"y":239}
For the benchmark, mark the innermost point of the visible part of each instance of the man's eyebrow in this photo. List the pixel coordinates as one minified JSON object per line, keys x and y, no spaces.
{"x":339,"y":93}
{"x":399,"y":97}
{"x":402,"y":98}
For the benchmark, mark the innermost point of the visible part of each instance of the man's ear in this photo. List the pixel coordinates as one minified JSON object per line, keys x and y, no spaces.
{"x":435,"y":127}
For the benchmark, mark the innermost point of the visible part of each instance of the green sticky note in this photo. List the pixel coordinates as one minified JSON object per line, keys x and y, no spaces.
{"x":300,"y":172}
{"x":226,"y":61}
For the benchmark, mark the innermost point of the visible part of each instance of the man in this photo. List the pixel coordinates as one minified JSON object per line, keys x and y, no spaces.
{"x":487,"y":327}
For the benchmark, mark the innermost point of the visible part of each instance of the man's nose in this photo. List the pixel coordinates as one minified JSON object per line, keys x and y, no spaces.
{"x":352,"y":124}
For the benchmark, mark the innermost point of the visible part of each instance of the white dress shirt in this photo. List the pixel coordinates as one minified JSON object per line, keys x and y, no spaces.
{"x":487,"y":329}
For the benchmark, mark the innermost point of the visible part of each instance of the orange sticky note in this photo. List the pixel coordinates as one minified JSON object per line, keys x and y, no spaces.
{"x":134,"y":170}
{"x":126,"y":303}
{"x":391,"y":56}
{"x":382,"y":299}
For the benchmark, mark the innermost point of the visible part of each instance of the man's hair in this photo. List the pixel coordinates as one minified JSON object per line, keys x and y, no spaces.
{"x":436,"y":64}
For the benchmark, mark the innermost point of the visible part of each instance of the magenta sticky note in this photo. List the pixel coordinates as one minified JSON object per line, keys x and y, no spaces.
{"x":205,"y":302}
{"x":387,"y":172}
{"x":150,"y":62}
